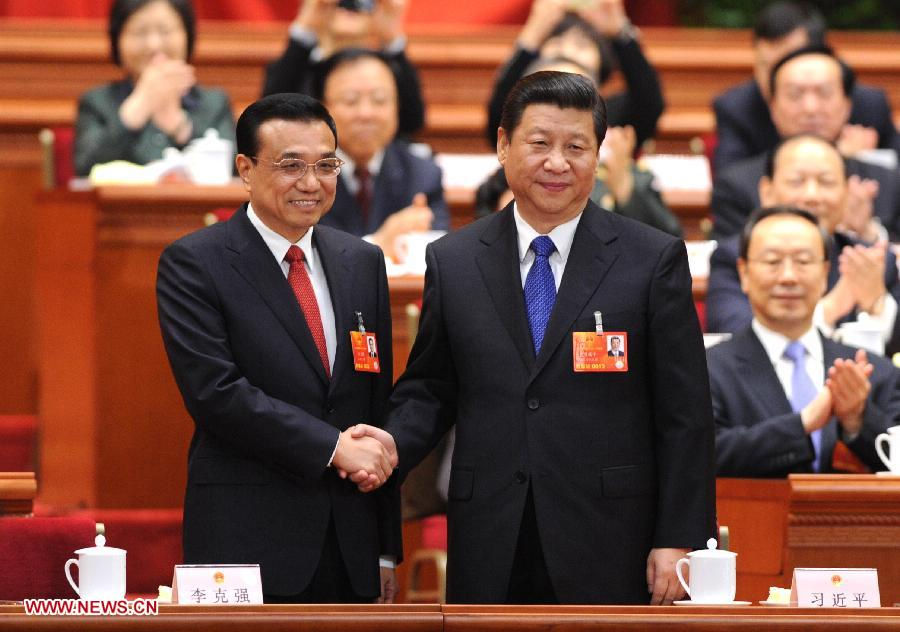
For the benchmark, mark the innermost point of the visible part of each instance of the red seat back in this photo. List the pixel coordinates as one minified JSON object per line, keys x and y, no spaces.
{"x":18,"y":435}
{"x":64,"y":165}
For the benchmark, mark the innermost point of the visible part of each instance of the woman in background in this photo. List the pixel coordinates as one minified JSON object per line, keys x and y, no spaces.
{"x":158,"y":104}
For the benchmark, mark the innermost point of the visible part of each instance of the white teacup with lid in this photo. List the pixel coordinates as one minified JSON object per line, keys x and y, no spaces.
{"x":891,"y":458}
{"x":101,"y":571}
{"x":209,"y":159}
{"x":713,"y":574}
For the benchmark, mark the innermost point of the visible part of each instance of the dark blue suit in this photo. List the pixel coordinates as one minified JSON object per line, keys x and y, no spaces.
{"x":744,"y":125}
{"x":402,"y":175}
{"x":266,"y":417}
{"x":757,"y":433}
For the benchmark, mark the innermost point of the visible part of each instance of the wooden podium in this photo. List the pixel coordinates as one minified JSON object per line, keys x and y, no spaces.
{"x":811,"y":520}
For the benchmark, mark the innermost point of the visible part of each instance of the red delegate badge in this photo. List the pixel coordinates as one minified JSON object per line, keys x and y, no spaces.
{"x":594,"y":352}
{"x":365,"y":351}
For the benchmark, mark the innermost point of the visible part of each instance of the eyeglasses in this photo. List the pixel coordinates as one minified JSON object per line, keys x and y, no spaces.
{"x":774,"y":264}
{"x":295,"y":168}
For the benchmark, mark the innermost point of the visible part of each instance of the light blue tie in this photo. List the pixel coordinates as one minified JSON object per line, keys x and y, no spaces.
{"x":803,"y":391}
{"x":540,"y":289}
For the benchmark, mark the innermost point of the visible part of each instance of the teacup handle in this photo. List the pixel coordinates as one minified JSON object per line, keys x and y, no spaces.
{"x":69,"y":576}
{"x":678,"y":564}
{"x":882,"y":437}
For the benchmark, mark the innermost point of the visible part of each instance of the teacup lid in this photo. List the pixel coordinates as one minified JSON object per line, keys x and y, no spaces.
{"x":211,"y":141}
{"x":711,"y":551}
{"x":101,"y":548}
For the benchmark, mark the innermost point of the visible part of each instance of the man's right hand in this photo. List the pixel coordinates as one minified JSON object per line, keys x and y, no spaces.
{"x":817,"y":413}
{"x":314,"y":15}
{"x":365,"y":481}
{"x":363,"y":455}
{"x":544,"y":16}
{"x":417,"y":217}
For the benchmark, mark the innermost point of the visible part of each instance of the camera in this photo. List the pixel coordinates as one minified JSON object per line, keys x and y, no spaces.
{"x":360,"y":6}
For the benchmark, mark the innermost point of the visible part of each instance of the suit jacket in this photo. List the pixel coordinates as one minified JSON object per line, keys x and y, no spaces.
{"x":640,"y":105}
{"x":744,"y":125}
{"x":402,"y":175}
{"x":646,"y":204}
{"x":101,"y":137}
{"x":618,"y":463}
{"x":757,"y":433}
{"x":736,"y":193}
{"x":266,"y":417}
{"x":727,"y":307}
{"x":295,"y":71}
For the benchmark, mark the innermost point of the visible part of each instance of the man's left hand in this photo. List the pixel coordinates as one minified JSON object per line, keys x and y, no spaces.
{"x":848,"y":381}
{"x":864,"y":268}
{"x":388,"y":585}
{"x":662,"y":583}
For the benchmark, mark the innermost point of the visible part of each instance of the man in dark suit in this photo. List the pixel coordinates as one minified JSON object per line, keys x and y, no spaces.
{"x":566,"y":487}
{"x":810,"y":95}
{"x":385,"y":189}
{"x":783,"y":395}
{"x":744,"y":126}
{"x":807,"y":172}
{"x":256,"y":315}
{"x":614,"y":348}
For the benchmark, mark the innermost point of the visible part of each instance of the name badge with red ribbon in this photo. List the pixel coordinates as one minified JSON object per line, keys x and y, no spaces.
{"x":365,"y":349}
{"x":599,"y":351}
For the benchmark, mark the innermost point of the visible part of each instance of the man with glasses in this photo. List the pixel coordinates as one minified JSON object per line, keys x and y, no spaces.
{"x":256,"y":316}
{"x":784,"y":396}
{"x":808,"y":172}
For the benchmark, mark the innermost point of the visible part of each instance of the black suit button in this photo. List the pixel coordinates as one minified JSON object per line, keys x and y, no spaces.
{"x":331,"y":411}
{"x":521,"y":477}
{"x":533,"y":404}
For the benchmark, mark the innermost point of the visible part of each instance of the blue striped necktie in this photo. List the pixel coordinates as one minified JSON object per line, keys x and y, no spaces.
{"x":540,"y":289}
{"x":803,"y":391}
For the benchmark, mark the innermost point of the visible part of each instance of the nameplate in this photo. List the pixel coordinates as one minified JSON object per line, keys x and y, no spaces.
{"x":217,"y":584}
{"x":835,"y":588}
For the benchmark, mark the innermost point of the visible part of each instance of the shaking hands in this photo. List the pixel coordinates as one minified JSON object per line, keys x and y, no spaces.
{"x":367,"y":455}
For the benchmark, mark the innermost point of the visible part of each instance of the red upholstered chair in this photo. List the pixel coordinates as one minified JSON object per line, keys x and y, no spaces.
{"x":33,"y":553}
{"x":218,"y":215}
{"x":18,"y":435}
{"x":430,"y":559}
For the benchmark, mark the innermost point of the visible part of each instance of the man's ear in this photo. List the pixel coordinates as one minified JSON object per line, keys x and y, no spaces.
{"x":742,"y":273}
{"x":244,"y":165}
{"x":502,"y":145}
{"x":765,"y":192}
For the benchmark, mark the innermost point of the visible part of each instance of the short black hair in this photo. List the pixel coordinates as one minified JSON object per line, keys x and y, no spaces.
{"x":848,"y":79}
{"x":608,"y":59}
{"x":772,"y":155}
{"x":550,"y":87}
{"x":122,"y":10}
{"x":488,"y":193}
{"x":781,"y":18}
{"x":546,"y":63}
{"x":790,"y":211}
{"x":287,"y":106}
{"x":341,"y":58}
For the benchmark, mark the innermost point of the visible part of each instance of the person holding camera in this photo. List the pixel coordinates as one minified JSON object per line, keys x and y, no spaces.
{"x":323,"y":27}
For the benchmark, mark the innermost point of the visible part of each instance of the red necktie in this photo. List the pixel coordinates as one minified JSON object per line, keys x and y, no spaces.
{"x":364,"y":193}
{"x":303,"y":290}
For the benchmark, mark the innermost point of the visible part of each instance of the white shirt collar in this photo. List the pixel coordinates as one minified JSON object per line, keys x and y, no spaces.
{"x":562,"y":235}
{"x":775,"y":343}
{"x":349,"y":167}
{"x":278,"y":244}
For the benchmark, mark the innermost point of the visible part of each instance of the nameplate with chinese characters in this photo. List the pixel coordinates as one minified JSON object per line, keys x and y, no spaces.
{"x":835,"y":588}
{"x":217,"y":584}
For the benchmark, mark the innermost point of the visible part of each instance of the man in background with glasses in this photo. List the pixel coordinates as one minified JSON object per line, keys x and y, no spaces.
{"x":808,"y":172}
{"x":256,"y":316}
{"x":785,"y":398}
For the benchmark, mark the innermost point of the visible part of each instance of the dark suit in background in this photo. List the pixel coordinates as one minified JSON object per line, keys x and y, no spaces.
{"x":758,"y":435}
{"x":616,"y":463}
{"x":744,"y":126}
{"x":727,"y":307}
{"x":402,"y":175}
{"x":736,"y":193}
{"x":294,"y":71}
{"x":101,"y":137}
{"x":266,"y":417}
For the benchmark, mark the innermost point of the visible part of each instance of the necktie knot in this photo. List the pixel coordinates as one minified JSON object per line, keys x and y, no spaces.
{"x":294,"y":255}
{"x":795,"y":351}
{"x":543,"y":246}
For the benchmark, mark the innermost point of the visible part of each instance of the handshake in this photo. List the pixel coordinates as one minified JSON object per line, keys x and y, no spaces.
{"x":366,"y":455}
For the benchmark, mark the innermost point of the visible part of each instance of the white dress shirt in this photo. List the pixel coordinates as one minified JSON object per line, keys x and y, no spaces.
{"x":562,"y":237}
{"x":775,"y":343}
{"x":279,"y":247}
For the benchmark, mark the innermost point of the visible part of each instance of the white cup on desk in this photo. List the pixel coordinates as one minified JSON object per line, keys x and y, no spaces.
{"x":891,"y":459}
{"x":713,"y":574}
{"x":101,"y":572}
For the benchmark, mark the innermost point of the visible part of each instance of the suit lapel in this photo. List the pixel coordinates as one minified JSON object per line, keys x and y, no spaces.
{"x":254,"y":262}
{"x":753,"y":360}
{"x":829,"y":430}
{"x":340,"y":285}
{"x":595,"y":249}
{"x":387,"y":188}
{"x":499,"y":266}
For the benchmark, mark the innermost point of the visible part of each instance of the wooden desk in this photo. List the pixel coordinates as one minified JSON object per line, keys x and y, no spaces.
{"x":811,"y":520}
{"x":463,"y":618}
